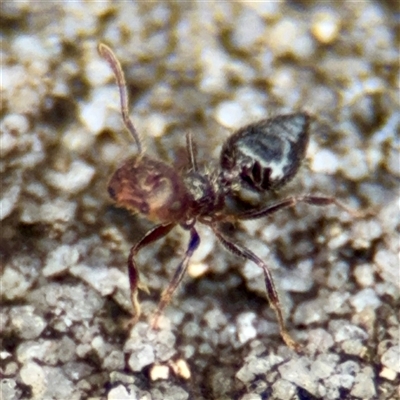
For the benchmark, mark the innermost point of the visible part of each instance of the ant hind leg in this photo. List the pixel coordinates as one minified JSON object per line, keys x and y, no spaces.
{"x":320,"y":201}
{"x":272,"y":294}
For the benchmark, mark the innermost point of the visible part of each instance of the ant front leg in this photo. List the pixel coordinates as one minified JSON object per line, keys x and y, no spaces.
{"x":178,"y":275}
{"x":320,"y":201}
{"x":272,"y":294}
{"x":154,"y":234}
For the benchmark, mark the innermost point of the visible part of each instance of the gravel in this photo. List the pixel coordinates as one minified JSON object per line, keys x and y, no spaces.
{"x":208,"y":67}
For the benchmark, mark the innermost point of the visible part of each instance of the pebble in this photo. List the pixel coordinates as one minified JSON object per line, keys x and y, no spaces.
{"x":8,"y":389}
{"x":387,"y":264}
{"x":245,"y":326}
{"x":60,"y":260}
{"x":364,"y":385}
{"x":325,"y":26}
{"x":325,"y":162}
{"x":298,"y":371}
{"x":343,"y":330}
{"x":324,"y":365}
{"x":391,"y":358}
{"x":365,"y":298}
{"x":34,"y":376}
{"x":229,"y":114}
{"x":284,"y":390}
{"x":354,"y":165}
{"x":9,"y":200}
{"x":120,"y":392}
{"x":308,"y":312}
{"x":159,"y":372}
{"x":102,"y":279}
{"x":114,"y":360}
{"x":26,"y":323}
{"x":14,"y":284}
{"x":253,"y":368}
{"x":248,"y":29}
{"x":364,"y":275}
{"x":141,"y":357}
{"x":289,"y":37}
{"x":319,"y":340}
{"x":76,"y":178}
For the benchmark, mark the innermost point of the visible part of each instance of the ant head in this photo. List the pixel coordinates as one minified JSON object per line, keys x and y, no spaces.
{"x":150,"y":187}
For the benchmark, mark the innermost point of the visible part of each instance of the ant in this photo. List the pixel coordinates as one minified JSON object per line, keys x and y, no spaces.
{"x":261,"y":157}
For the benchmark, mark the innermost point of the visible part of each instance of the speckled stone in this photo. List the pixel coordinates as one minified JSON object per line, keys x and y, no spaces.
{"x":206,"y":67}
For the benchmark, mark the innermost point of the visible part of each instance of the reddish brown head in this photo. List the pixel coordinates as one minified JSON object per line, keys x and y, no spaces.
{"x":151,"y":188}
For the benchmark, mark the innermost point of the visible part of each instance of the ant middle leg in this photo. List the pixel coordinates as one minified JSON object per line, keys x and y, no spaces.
{"x":272,"y":294}
{"x":178,"y":275}
{"x":321,"y":201}
{"x":154,"y":234}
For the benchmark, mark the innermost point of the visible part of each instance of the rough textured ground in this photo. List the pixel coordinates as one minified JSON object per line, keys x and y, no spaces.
{"x":208,"y":67}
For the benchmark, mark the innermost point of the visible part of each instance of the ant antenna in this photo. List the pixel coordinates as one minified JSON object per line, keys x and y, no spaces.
{"x":115,"y":65}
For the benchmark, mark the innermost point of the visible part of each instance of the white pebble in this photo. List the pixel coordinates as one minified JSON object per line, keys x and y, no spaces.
{"x":9,"y":200}
{"x":354,"y":165}
{"x":245,"y":328}
{"x":60,"y":259}
{"x":391,"y":358}
{"x":253,"y":368}
{"x":142,"y":357}
{"x":229,"y":114}
{"x":388,"y":266}
{"x":325,"y":26}
{"x":104,"y":280}
{"x":325,"y":161}
{"x":364,"y":275}
{"x":365,"y":298}
{"x":297,"y":372}
{"x":289,"y":37}
{"x":121,"y":393}
{"x":95,"y":112}
{"x":13,"y":284}
{"x":33,"y":375}
{"x":364,"y":386}
{"x":159,"y":372}
{"x":26,"y":322}
{"x":248,"y":28}
{"x":284,"y":390}
{"x":343,"y":330}
{"x":319,"y":340}
{"x":75,"y":179}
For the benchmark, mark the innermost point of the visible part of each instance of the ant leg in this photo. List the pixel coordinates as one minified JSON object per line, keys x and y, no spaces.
{"x":178,"y":275}
{"x":320,"y":201}
{"x":151,"y":236}
{"x":272,"y":294}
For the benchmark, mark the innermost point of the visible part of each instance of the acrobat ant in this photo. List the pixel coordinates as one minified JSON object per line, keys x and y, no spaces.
{"x":261,"y":157}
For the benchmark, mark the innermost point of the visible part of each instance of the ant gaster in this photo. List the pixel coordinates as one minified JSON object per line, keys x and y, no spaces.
{"x":261,"y":156}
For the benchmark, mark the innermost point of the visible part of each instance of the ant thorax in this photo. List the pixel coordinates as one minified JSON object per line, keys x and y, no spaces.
{"x":208,"y":199}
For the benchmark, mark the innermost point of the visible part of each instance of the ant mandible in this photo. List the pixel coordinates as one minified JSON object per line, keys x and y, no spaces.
{"x":262,"y":156}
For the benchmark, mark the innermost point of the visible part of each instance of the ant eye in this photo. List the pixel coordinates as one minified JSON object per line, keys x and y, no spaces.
{"x":267,"y":154}
{"x":144,"y":208}
{"x":111,"y":192}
